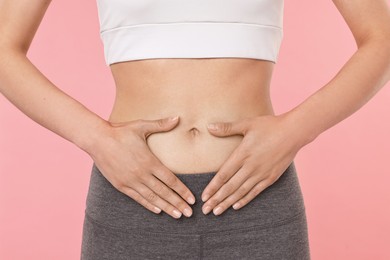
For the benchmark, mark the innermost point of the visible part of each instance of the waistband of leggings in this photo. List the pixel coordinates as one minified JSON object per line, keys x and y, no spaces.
{"x":280,"y":203}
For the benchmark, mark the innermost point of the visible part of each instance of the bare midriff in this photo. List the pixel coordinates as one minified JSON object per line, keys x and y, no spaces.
{"x":199,"y":91}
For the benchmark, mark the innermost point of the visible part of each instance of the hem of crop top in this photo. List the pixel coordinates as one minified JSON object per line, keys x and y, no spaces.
{"x":192,"y":40}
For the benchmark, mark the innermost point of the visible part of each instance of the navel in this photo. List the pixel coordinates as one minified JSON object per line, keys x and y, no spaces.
{"x":193,"y":132}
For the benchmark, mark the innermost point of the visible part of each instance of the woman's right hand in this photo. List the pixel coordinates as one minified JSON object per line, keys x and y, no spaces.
{"x":126,"y":161}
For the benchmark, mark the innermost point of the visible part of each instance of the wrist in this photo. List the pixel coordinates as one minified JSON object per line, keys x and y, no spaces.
{"x":94,"y":136}
{"x":298,"y":127}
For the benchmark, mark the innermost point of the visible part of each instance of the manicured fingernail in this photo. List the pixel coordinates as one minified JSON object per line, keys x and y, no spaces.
{"x":177,"y":213}
{"x":212,"y":126}
{"x":217,"y":210}
{"x":187,"y":212}
{"x":191,"y":200}
{"x":205,"y":197}
{"x":174,"y":118}
{"x":206,"y":210}
{"x":235,"y":206}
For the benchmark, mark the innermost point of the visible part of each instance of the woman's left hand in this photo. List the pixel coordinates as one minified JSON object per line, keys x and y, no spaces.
{"x":269,"y":146}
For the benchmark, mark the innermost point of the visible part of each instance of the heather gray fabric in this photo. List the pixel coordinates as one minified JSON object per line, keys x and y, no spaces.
{"x":271,"y":227}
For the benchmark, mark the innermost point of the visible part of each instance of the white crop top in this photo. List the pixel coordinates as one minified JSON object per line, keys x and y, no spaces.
{"x":149,"y":29}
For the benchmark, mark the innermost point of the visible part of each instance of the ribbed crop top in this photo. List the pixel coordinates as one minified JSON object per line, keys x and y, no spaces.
{"x":149,"y":29}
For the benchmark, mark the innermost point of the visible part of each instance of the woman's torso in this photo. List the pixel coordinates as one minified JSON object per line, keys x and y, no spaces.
{"x":199,"y":91}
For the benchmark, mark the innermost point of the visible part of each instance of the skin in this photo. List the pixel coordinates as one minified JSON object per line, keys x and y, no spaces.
{"x":139,"y":151}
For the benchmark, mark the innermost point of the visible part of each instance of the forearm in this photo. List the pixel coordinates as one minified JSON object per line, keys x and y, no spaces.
{"x":32,"y":93}
{"x":362,"y":76}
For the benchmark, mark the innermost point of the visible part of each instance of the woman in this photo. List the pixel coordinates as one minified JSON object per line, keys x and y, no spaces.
{"x":193,"y":61}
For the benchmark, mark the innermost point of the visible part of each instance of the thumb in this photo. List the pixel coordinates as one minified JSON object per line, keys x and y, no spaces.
{"x":149,"y":127}
{"x":227,"y":128}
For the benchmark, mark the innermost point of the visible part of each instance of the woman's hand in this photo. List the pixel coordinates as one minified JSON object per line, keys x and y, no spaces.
{"x":126,"y":161}
{"x":269,"y":146}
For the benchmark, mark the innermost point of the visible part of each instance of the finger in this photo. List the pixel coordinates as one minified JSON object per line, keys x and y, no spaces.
{"x":227,"y":170}
{"x":226,"y":190}
{"x":229,"y":128}
{"x":141,"y":200}
{"x":166,"y":193}
{"x":156,"y":200}
{"x":242,"y":191}
{"x":173,"y":182}
{"x":148,"y":127}
{"x":255,"y":191}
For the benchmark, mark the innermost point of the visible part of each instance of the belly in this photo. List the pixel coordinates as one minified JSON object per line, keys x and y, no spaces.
{"x":199,"y":91}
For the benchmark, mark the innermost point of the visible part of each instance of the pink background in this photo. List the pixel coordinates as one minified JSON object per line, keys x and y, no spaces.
{"x":344,"y":174}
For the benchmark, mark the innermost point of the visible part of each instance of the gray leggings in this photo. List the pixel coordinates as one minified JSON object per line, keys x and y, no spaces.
{"x":270,"y":227}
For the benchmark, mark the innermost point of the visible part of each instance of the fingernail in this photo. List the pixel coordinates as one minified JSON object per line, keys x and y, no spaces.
{"x":206,"y":210}
{"x":187,"y":212}
{"x":191,"y":200}
{"x":173,"y":118}
{"x":212,"y":126}
{"x":235,"y":206}
{"x":205,"y":197}
{"x":177,"y":213}
{"x":217,"y":210}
